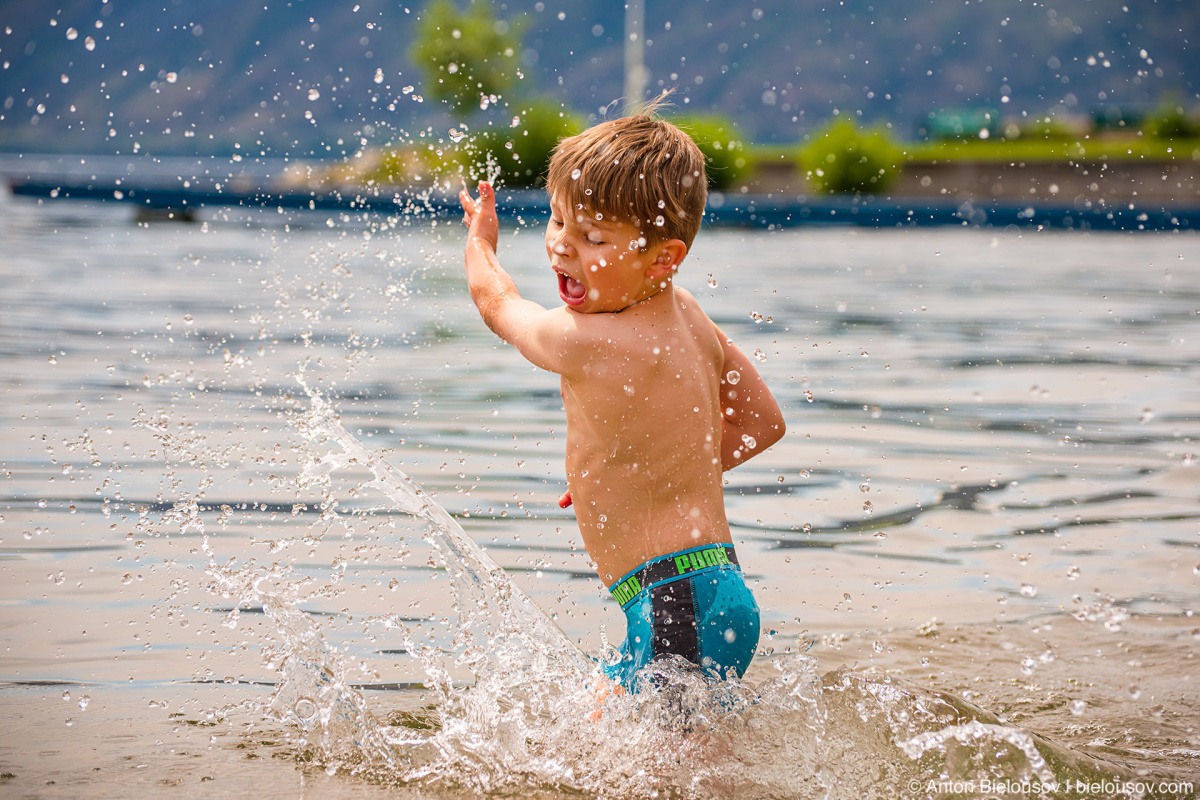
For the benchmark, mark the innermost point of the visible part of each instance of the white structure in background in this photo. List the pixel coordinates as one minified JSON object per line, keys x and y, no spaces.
{"x":636,"y":75}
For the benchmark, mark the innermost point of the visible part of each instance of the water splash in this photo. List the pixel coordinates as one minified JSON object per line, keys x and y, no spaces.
{"x":540,"y":717}
{"x":538,"y":713}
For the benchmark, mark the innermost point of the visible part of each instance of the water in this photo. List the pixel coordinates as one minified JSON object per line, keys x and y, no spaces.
{"x":984,"y":519}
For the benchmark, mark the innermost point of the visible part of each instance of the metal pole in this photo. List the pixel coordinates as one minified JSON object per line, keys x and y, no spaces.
{"x":635,"y":54}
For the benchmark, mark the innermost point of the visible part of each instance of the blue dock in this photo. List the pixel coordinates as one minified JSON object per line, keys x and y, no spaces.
{"x":766,"y":211}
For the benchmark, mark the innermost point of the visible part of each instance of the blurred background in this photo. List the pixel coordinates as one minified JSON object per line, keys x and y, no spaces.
{"x":771,"y":88}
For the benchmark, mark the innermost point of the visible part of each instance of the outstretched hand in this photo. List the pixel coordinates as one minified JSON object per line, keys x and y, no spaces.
{"x":480,"y":215}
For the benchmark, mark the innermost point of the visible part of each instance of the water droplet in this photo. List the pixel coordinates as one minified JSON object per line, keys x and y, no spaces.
{"x":880,"y":535}
{"x":72,"y":34}
{"x":749,"y":441}
{"x":732,"y":377}
{"x":660,"y":220}
{"x":865,"y":486}
{"x":808,"y":395}
{"x":314,"y":94}
{"x":305,"y":709}
{"x":1078,"y":707}
{"x":712,"y":282}
{"x":66,"y":694}
{"x":456,"y":135}
{"x":1135,"y":691}
{"x":1072,"y":572}
{"x":575,"y":173}
{"x":378,"y":75}
{"x":760,"y":355}
{"x":868,"y":507}
{"x":407,"y":90}
{"x":1028,"y":590}
{"x":89,"y":43}
{"x":876,"y":412}
{"x":1146,"y":416}
{"x":83,"y":702}
{"x":1027,"y":665}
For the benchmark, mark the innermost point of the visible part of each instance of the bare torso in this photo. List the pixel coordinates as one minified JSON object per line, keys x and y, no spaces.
{"x":643,"y":434}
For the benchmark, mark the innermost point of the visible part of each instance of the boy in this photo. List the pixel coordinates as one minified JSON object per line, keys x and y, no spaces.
{"x":658,"y":401}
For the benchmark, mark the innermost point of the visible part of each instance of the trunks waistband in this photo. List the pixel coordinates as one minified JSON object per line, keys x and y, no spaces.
{"x":670,"y":566}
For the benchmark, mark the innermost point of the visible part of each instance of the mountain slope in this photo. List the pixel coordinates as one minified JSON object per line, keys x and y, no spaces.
{"x":315,"y":77}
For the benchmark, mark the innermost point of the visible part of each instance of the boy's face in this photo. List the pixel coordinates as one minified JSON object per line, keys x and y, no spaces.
{"x":600,"y":263}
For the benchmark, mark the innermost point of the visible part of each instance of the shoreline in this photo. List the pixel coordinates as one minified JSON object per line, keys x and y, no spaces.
{"x":1168,"y":182}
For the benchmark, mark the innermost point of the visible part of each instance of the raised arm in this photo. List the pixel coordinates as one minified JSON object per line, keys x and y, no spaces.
{"x":543,"y":336}
{"x":750,"y":418}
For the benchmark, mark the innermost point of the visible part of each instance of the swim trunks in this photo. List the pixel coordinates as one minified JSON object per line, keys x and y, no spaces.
{"x":694,"y":604}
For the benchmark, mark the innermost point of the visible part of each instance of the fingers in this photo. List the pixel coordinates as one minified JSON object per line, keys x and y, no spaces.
{"x":565,"y":500}
{"x":470,"y":206}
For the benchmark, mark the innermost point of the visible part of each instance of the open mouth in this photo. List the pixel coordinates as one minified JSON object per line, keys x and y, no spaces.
{"x":570,"y":290}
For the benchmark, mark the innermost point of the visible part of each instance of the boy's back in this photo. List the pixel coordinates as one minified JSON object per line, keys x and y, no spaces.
{"x":643,"y":434}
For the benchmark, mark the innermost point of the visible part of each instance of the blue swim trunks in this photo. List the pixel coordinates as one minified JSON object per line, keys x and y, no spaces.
{"x":694,"y":604}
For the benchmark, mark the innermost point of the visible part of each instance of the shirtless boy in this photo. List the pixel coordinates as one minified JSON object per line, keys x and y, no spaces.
{"x":659,"y":402}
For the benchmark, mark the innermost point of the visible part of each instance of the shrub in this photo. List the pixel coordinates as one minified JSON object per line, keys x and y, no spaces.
{"x":843,"y":159}
{"x":725,"y":156}
{"x":522,"y":153}
{"x":1171,"y":121}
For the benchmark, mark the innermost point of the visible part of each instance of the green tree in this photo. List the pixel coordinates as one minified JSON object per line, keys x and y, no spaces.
{"x":842,"y":158}
{"x":464,"y":55}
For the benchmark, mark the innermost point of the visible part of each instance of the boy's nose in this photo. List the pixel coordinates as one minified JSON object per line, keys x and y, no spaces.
{"x":558,"y":243}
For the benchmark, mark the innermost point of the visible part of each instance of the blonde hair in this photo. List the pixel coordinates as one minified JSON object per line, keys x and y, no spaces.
{"x":639,"y":169}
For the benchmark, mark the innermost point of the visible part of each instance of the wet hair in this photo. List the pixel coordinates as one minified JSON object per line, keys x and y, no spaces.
{"x":638,"y":169}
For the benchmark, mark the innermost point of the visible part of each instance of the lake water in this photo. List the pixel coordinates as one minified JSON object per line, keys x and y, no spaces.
{"x":985,"y":518}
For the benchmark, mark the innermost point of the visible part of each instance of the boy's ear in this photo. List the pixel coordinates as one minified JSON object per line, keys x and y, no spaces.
{"x":668,"y":256}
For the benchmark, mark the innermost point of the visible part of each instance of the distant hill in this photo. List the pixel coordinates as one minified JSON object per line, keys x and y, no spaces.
{"x":317,"y":77}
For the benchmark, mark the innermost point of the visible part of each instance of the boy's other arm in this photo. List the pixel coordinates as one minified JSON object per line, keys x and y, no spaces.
{"x":541,"y":335}
{"x":747,"y":409}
